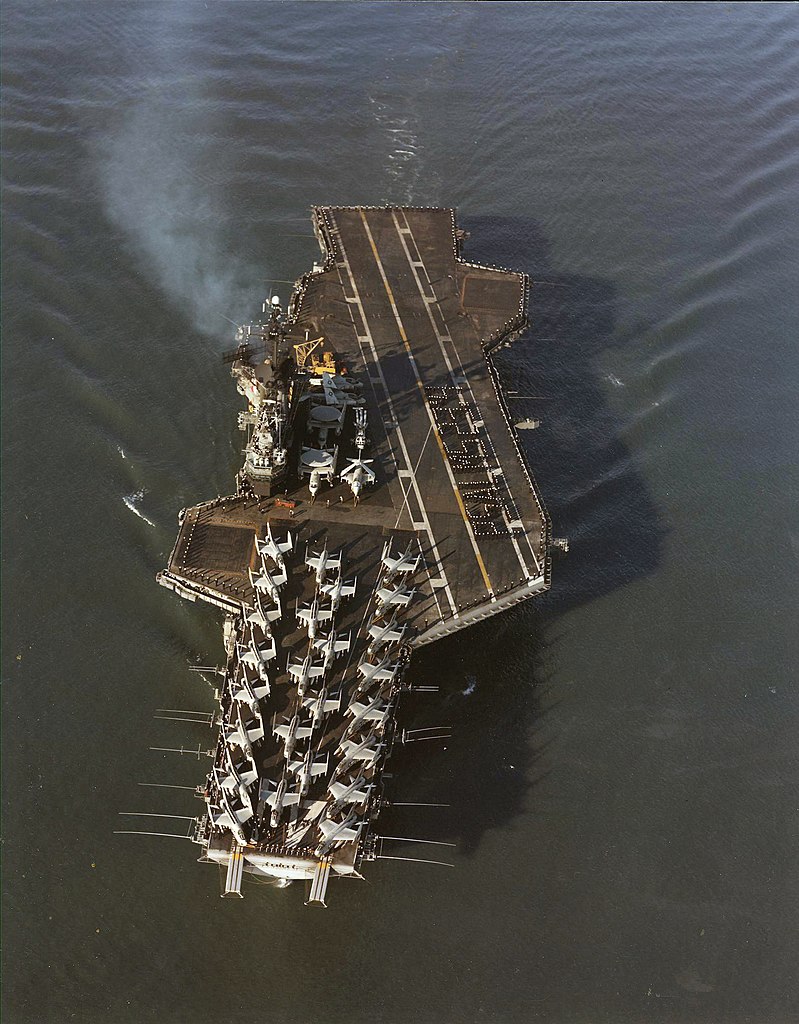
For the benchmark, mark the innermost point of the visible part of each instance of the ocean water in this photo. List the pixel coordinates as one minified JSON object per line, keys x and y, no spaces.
{"x":623,"y":769}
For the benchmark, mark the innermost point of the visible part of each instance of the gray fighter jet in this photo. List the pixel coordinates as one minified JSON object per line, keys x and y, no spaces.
{"x":291,"y":732}
{"x":357,"y":476}
{"x":306,"y":769}
{"x":279,"y":798}
{"x":387,"y":635}
{"x":320,"y":705}
{"x":338,"y":831}
{"x":259,"y":616}
{"x":304,"y":671}
{"x":350,"y":792}
{"x":369,"y":750}
{"x":375,"y":711}
{"x":339,"y":591}
{"x":250,"y":693}
{"x":332,"y":646}
{"x":275,"y":549}
{"x":402,"y":564}
{"x":311,"y":615}
{"x":257,"y":657}
{"x":384,"y":672}
{"x":268,"y":584}
{"x":399,"y":597}
{"x":323,"y":563}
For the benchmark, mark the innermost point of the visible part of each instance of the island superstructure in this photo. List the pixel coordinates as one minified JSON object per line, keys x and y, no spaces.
{"x":384,"y":502}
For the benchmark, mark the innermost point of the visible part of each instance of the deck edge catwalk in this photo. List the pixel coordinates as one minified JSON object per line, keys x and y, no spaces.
{"x":384,"y":502}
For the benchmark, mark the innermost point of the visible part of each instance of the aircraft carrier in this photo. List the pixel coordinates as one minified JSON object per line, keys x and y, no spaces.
{"x":384,"y":502}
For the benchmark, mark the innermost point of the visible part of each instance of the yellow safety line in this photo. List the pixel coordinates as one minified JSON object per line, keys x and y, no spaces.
{"x":419,"y":384}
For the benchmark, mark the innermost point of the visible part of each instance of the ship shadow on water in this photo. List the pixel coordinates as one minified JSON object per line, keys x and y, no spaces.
{"x":594,"y":492}
{"x":495,"y":689}
{"x":494,"y":695}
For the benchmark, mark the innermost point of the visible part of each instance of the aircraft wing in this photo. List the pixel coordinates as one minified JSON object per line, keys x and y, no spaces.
{"x":287,"y":801}
{"x":327,"y":705}
{"x":301,"y":732}
{"x":263,"y":690}
{"x":221,"y":819}
{"x":332,"y":830}
{"x":350,"y":794}
{"x":247,"y":775}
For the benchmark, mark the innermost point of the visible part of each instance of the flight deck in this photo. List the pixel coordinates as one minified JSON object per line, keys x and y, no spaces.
{"x":416,"y":324}
{"x":384,"y":502}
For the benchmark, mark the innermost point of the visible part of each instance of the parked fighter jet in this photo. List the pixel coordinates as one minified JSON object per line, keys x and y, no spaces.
{"x":387,"y":635}
{"x":245,"y":692}
{"x":234,"y":783}
{"x":384,"y":672}
{"x":229,"y":813}
{"x":368,"y":750}
{"x":304,"y":672}
{"x":398,"y":597}
{"x":268,"y":584}
{"x":350,"y":792}
{"x":291,"y":732}
{"x":275,"y":549}
{"x":323,"y":563}
{"x":223,"y":816}
{"x":257,"y":657}
{"x":402,"y":564}
{"x":340,"y":831}
{"x":306,"y":768}
{"x":245,"y":733}
{"x":311,"y":615}
{"x":358,"y":475}
{"x":332,"y":646}
{"x":376,"y":711}
{"x":258,"y":615}
{"x":339,"y":591}
{"x":278,"y":799}
{"x":237,"y":736}
{"x":320,"y":705}
{"x":242,"y":765}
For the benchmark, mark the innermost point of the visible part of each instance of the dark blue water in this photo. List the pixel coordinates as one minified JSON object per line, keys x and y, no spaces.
{"x":623,"y":768}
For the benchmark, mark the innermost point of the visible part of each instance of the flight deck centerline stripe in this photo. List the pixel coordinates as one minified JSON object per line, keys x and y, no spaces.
{"x":403,"y":335}
{"x":400,"y":437}
{"x":465,"y":378}
{"x":442,"y":338}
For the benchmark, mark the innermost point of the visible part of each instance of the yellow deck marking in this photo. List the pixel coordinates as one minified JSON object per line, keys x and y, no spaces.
{"x":403,"y":335}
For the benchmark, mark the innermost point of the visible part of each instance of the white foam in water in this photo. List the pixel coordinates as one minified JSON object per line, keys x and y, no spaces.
{"x":131,"y":499}
{"x":471,"y":686}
